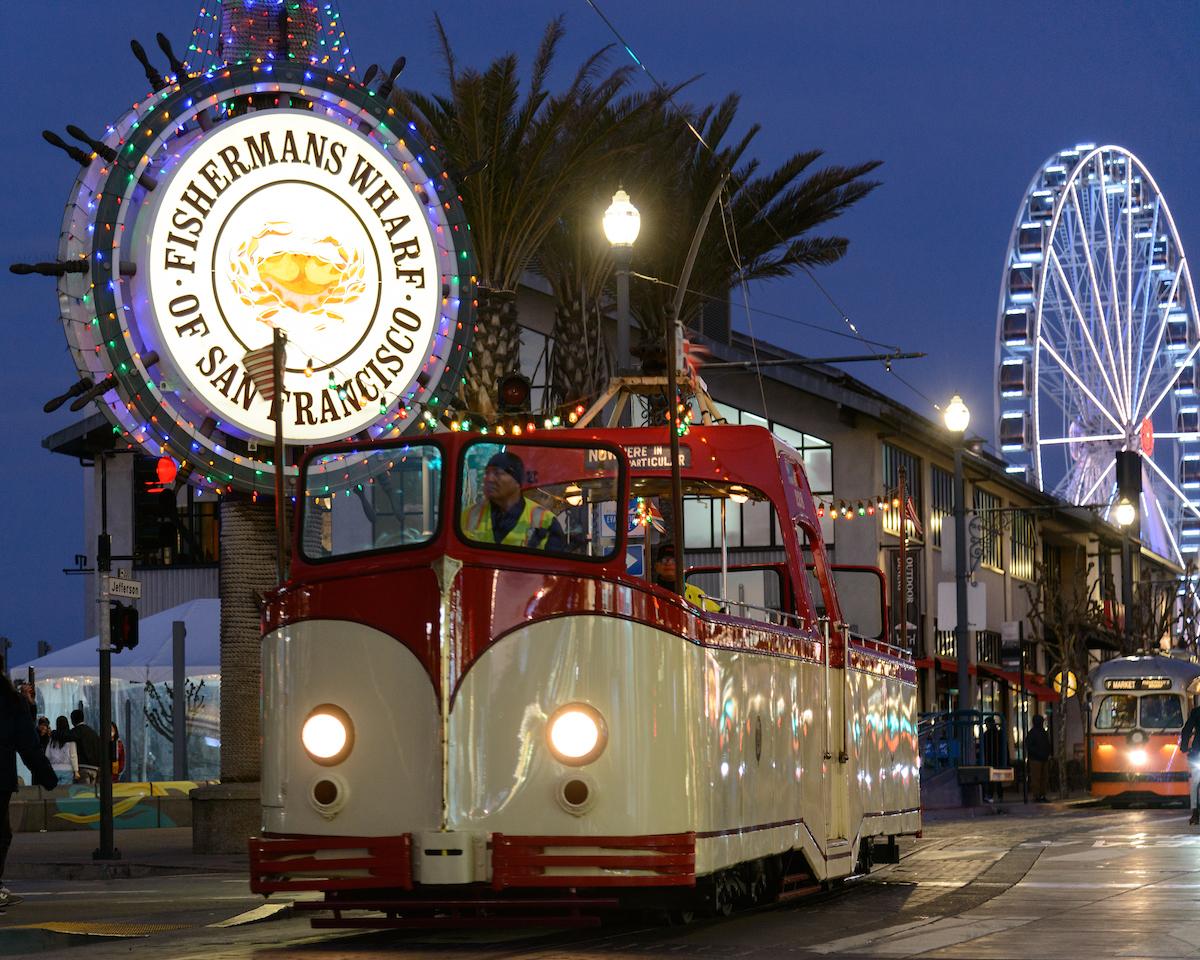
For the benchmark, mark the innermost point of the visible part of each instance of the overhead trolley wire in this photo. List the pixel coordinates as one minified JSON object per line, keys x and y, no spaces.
{"x":883,"y":359}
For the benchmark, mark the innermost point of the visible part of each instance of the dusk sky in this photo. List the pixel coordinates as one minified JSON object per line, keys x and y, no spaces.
{"x":961,"y":101}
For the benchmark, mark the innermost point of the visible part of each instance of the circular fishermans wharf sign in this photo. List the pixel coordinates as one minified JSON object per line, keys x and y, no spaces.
{"x":252,"y":200}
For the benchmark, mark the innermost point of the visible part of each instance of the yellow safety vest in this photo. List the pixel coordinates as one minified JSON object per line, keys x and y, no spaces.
{"x":477,"y":524}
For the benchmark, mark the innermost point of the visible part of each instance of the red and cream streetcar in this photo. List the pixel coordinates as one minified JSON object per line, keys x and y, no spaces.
{"x":454,"y":724}
{"x":1138,"y":708}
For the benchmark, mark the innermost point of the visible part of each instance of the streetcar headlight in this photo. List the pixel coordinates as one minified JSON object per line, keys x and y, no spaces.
{"x":328,"y":734}
{"x":1137,"y":757}
{"x":576,"y":734}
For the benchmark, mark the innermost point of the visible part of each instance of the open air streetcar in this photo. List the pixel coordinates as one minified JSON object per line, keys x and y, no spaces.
{"x":467,"y":722}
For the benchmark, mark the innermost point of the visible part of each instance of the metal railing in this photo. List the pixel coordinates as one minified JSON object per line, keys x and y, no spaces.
{"x":941,"y":737}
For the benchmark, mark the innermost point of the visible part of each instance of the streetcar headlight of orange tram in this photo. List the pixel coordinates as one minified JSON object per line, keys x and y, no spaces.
{"x":1137,"y":757}
{"x":576,"y":734}
{"x":328,"y":734}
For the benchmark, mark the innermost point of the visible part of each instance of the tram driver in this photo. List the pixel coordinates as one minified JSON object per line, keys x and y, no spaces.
{"x":506,"y":516}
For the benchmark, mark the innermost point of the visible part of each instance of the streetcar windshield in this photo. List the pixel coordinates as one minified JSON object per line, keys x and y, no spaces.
{"x":1162,"y":711}
{"x":362,"y":501}
{"x":1117,"y":711}
{"x":540,"y":498}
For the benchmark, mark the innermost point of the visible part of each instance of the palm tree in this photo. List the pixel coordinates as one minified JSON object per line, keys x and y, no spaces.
{"x":765,"y":220}
{"x":576,"y":259}
{"x":537,"y":150}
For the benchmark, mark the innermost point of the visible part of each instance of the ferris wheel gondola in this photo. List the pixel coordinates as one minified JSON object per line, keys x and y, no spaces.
{"x":1097,"y":343}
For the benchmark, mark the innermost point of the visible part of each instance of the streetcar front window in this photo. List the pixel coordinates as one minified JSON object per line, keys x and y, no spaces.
{"x":363,"y":501}
{"x":1162,"y":711}
{"x":1117,"y":711}
{"x":540,"y":498}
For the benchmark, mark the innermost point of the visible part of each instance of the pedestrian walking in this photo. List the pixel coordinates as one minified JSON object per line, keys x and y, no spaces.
{"x":88,"y":743}
{"x":1189,"y":743}
{"x":17,"y":737}
{"x":62,"y":753}
{"x":1037,"y":754}
{"x":116,"y":754}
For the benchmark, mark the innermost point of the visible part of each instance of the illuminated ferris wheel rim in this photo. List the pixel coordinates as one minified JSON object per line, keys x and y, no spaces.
{"x":1109,"y":386}
{"x":1132,"y":431}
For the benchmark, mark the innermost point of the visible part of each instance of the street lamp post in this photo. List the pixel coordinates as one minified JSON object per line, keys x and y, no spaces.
{"x":621,"y":225}
{"x":957,"y":417}
{"x":1126,"y":514}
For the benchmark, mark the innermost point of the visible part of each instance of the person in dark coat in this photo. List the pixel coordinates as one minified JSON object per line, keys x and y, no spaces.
{"x":1189,"y":743}
{"x":87,"y":743}
{"x":17,"y":737}
{"x":1037,"y":755}
{"x":993,"y":755}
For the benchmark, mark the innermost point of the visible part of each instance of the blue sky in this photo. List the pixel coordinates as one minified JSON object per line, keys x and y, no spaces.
{"x":962,"y":102}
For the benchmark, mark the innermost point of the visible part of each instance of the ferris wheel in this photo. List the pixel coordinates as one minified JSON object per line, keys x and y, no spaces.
{"x":1097,"y":343}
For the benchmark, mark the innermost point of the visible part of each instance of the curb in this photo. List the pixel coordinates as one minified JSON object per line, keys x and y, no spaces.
{"x":113,"y":870}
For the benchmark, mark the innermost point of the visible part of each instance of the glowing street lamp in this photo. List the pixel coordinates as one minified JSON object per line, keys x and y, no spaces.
{"x":1125,"y":512}
{"x":622,"y":222}
{"x":957,"y":417}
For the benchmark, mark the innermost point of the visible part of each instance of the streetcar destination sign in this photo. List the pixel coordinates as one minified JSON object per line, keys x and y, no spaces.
{"x":1138,"y":683}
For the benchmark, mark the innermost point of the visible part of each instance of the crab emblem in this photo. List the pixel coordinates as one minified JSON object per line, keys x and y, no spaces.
{"x":278,"y":270}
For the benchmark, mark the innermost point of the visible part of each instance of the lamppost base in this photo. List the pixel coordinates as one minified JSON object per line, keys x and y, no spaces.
{"x":113,"y":854}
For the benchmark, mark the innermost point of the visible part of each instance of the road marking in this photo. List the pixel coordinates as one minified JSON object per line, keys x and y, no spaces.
{"x":264,"y":912}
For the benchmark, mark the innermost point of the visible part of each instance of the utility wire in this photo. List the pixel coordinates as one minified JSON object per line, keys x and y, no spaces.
{"x":890,"y":347}
{"x":696,"y":133}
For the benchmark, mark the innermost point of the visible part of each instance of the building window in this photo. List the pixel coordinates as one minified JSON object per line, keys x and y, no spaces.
{"x":171,"y":527}
{"x":1024,"y":545}
{"x":989,"y":528}
{"x":756,"y":523}
{"x":941,"y":502}
{"x":893,"y":460}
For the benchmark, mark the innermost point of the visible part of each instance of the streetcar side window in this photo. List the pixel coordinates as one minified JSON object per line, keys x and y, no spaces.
{"x":540,"y":498}
{"x":1162,"y":711}
{"x":1117,"y":711}
{"x":362,"y":501}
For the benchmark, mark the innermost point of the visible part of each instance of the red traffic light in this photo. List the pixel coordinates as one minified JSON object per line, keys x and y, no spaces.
{"x":514,"y":390}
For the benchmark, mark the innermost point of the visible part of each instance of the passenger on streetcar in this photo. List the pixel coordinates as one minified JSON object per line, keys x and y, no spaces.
{"x":664,"y":576}
{"x":506,"y":516}
{"x":1189,"y":743}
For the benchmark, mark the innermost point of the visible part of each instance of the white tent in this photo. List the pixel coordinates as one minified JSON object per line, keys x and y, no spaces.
{"x":150,"y":660}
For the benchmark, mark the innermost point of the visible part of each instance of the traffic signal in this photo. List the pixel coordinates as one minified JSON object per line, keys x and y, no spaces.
{"x":1129,"y":475}
{"x":122,"y":627}
{"x":514,"y":390}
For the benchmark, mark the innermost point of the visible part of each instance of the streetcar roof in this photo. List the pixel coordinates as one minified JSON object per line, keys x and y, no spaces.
{"x":1179,"y":670}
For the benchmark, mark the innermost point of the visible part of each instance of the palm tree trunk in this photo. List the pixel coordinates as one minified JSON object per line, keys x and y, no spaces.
{"x":580,"y":362}
{"x":495,"y":352}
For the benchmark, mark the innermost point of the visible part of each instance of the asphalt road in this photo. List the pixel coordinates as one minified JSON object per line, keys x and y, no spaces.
{"x":1087,"y":884}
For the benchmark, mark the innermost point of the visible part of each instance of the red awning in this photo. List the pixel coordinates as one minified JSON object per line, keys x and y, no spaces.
{"x":945,"y":664}
{"x":1034,"y":684}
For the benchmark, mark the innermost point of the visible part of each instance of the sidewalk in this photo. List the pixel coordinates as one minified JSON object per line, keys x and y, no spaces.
{"x":67,"y":855}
